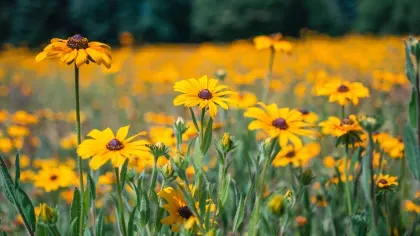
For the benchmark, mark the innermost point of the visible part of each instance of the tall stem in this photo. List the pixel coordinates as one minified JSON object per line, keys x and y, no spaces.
{"x":79,"y":140}
{"x":418,"y":99}
{"x":347,"y":186}
{"x":269,"y":76}
{"x":372,"y":182}
{"x":120,"y":204}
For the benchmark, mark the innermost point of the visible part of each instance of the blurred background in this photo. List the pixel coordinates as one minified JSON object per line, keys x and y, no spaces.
{"x":33,"y":22}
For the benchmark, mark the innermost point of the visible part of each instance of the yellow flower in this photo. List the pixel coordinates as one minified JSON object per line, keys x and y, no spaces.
{"x":77,"y":49}
{"x":24,"y":118}
{"x":308,"y":116}
{"x":393,"y":146}
{"x":158,"y":118}
{"x":6,"y":145}
{"x":284,"y":123}
{"x":343,"y":91}
{"x":162,"y":134}
{"x":69,"y":142}
{"x":27,"y":176}
{"x":296,"y":156}
{"x":18,"y":131}
{"x":336,"y":127}
{"x":276,"y":204}
{"x":329,"y":162}
{"x":411,"y":206}
{"x":67,"y":195}
{"x":52,"y":178}
{"x":3,"y":115}
{"x":244,"y":99}
{"x":386,"y":181}
{"x":47,"y":214}
{"x":272,"y":41}
{"x":104,"y":146}
{"x":179,"y":212}
{"x":202,"y":92}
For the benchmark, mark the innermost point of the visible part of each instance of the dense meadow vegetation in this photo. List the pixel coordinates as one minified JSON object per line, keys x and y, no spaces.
{"x":267,"y":136}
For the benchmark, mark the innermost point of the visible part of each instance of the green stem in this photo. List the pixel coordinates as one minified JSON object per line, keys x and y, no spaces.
{"x":54,"y":230}
{"x":372,"y":182}
{"x":153,"y":179}
{"x":269,"y":76}
{"x":347,"y":185}
{"x":120,"y":203}
{"x":418,"y":99}
{"x":79,"y":140}
{"x":343,"y":112}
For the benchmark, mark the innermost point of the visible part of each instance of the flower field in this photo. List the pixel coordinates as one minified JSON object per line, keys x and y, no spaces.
{"x":262,"y":136}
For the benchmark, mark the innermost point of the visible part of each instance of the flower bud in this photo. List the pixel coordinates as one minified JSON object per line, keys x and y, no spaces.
{"x":167,"y":170}
{"x":288,"y":195}
{"x":179,"y":121}
{"x":130,"y":175}
{"x":359,"y":222}
{"x":158,"y":149}
{"x":47,"y":214}
{"x":220,"y":74}
{"x":276,"y":205}
{"x":227,"y":143}
{"x":306,"y":177}
{"x":371,"y":123}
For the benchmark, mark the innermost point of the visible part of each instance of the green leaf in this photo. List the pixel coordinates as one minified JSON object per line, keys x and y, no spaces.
{"x":87,"y":232}
{"x":239,"y":215}
{"x":410,"y":67}
{"x":131,"y":222}
{"x":75,"y":211}
{"x":100,"y":224}
{"x":194,"y":120}
{"x":413,"y":109}
{"x":412,"y":151}
{"x":123,"y":174}
{"x":255,"y":218}
{"x":41,"y":230}
{"x":225,"y":192}
{"x":92,"y":187}
{"x":366,"y":177}
{"x":86,"y":201}
{"x":355,"y":158}
{"x":144,"y":208}
{"x":207,"y":137}
{"x":7,"y":182}
{"x":17,"y":170}
{"x":27,"y":208}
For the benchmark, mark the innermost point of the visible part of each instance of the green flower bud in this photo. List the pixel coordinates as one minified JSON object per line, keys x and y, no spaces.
{"x":306,"y":177}
{"x":167,"y":170}
{"x":158,"y":149}
{"x":276,"y":205}
{"x":220,"y":74}
{"x":227,"y":143}
{"x":47,"y":214}
{"x":371,"y":123}
{"x":130,"y":175}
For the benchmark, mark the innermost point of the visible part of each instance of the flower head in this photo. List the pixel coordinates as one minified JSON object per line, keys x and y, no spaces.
{"x":52,"y":178}
{"x":336,"y":127}
{"x":202,"y":92}
{"x":47,"y":214}
{"x":344,"y":91}
{"x":276,"y":204}
{"x":385,"y":182}
{"x":77,"y":49}
{"x":284,"y":123}
{"x":273,"y":41}
{"x":296,"y":156}
{"x":104,"y":146}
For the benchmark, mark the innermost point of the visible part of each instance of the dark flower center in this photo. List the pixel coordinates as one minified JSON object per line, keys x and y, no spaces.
{"x":290,"y":154}
{"x":304,"y":111}
{"x":185,"y":212}
{"x":77,"y":41}
{"x":280,"y":123}
{"x":205,"y":94}
{"x":383,"y":181}
{"x":343,"y":89}
{"x":114,"y":145}
{"x":347,"y":121}
{"x":53,"y":177}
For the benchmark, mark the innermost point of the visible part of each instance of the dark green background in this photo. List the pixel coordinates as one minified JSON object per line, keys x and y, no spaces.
{"x":34,"y":22}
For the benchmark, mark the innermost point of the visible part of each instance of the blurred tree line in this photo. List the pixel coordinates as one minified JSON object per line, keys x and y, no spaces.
{"x":32,"y":22}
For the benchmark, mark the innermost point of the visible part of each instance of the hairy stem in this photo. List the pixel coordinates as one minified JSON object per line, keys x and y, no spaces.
{"x":120,"y":203}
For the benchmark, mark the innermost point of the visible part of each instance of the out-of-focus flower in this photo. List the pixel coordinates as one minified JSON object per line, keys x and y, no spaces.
{"x":244,"y":100}
{"x":385,"y":182}
{"x":52,"y":178}
{"x":411,"y":207}
{"x":336,"y":127}
{"x":296,"y":156}
{"x":273,"y":41}
{"x":344,"y":91}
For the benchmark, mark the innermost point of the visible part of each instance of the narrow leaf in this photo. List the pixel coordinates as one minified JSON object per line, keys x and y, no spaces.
{"x":194,"y":120}
{"x":123,"y":174}
{"x":412,"y":151}
{"x":75,"y":211}
{"x":413,"y":109}
{"x":27,"y":208}
{"x":239,"y":215}
{"x":207,"y":137}
{"x":131,"y":222}
{"x":17,"y":170}
{"x":7,"y":182}
{"x":100,"y":224}
{"x":410,"y":67}
{"x":92,"y":187}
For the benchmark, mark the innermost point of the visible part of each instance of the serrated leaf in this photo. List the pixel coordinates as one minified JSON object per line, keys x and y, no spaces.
{"x":413,"y":109}
{"x":239,"y":215}
{"x":123,"y":174}
{"x":100,"y":224}
{"x":131,"y":222}
{"x":27,"y":207}
{"x":17,"y":170}
{"x":8,"y":185}
{"x":75,"y":211}
{"x":92,"y":187}
{"x":412,"y":151}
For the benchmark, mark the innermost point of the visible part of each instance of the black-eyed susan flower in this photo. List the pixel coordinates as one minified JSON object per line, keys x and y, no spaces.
{"x":344,"y":91}
{"x":244,"y":99}
{"x":296,"y":156}
{"x":179,"y":212}
{"x":273,"y":41}
{"x":202,"y":92}
{"x":411,"y":207}
{"x":336,"y":127}
{"x":384,"y":182}
{"x":77,"y":49}
{"x":308,"y":116}
{"x":284,"y":123}
{"x":104,"y":146}
{"x":52,"y":178}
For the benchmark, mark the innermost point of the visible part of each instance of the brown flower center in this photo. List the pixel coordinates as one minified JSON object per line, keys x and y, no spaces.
{"x":290,"y":154}
{"x":347,"y":121}
{"x":383,"y":181}
{"x":185,"y":212}
{"x":303,"y":111}
{"x":205,"y":94}
{"x":77,"y":41}
{"x":343,"y":89}
{"x":280,"y":123}
{"x":53,"y":177}
{"x":115,"y":145}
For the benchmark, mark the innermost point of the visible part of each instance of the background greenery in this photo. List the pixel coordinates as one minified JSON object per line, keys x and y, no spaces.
{"x":33,"y":21}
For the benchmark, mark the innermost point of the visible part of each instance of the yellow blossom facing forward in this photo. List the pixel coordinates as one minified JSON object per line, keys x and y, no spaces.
{"x":296,"y":156}
{"x":244,"y":100}
{"x":336,"y":127}
{"x":202,"y":92}
{"x":344,"y":91}
{"x":386,"y":181}
{"x":273,"y":41}
{"x":77,"y":49}
{"x":52,"y":178}
{"x":104,"y":146}
{"x":284,"y":123}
